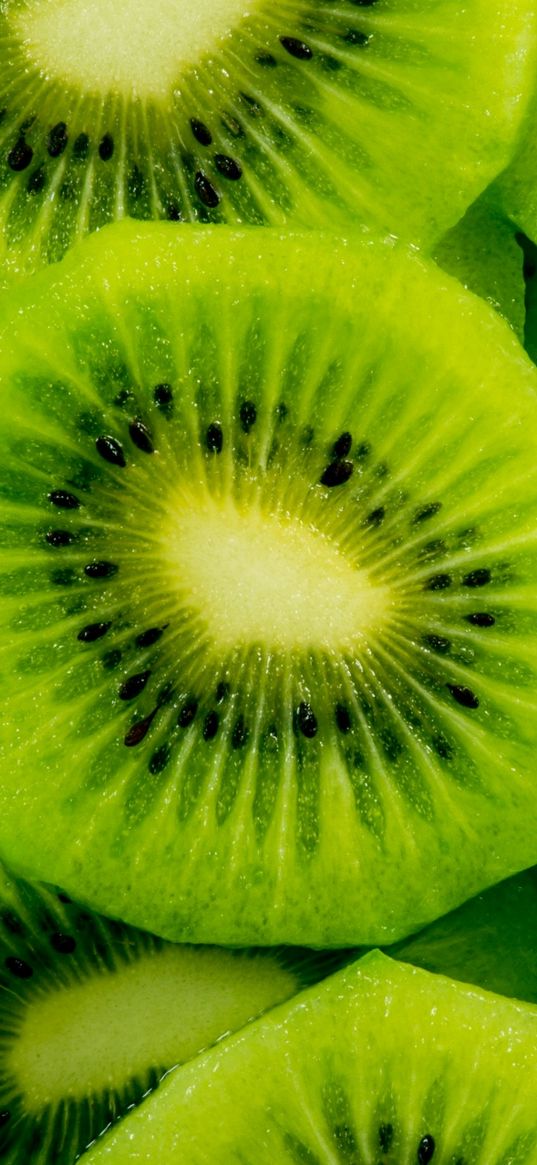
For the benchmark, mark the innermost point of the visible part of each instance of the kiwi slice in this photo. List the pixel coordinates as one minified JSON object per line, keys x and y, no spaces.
{"x":267,"y":586}
{"x":93,"y":1013}
{"x":322,"y":113}
{"x":483,"y":251}
{"x":383,"y":1064}
{"x":491,"y":940}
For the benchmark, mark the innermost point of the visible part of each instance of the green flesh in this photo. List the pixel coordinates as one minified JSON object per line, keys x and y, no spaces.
{"x":93,"y":1013}
{"x":482,"y":251}
{"x":326,"y":733}
{"x":490,"y":941}
{"x":515,"y":191}
{"x":322,"y":114}
{"x":378,"y":1063}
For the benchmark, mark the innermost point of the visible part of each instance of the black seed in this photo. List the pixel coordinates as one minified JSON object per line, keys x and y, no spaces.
{"x":477,"y":578}
{"x":248,"y":415}
{"x":106,"y":147}
{"x":18,"y":967}
{"x":187,"y":713}
{"x":59,"y":537}
{"x":63,"y":897}
{"x":214,"y":438}
{"x":93,"y":631}
{"x":463,"y":696}
{"x":201,"y":133}
{"x":63,"y":499}
{"x":354,"y":36}
{"x":111,"y":451}
{"x":228,"y":167}
{"x":163,"y":396}
{"x":148,"y":638}
{"x":222,"y":691}
{"x":481,"y":619}
{"x":437,"y":643}
{"x":376,"y":517}
{"x":210,"y":726}
{"x":159,"y":759}
{"x":36,"y":181}
{"x":141,"y":437}
{"x":306,"y":721}
{"x":111,"y":659}
{"x":173,"y":212}
{"x":20,"y":156}
{"x":442,"y":747}
{"x":81,"y":147}
{"x":205,"y":190}
{"x":12,"y":922}
{"x":57,"y":140}
{"x":426,"y":1150}
{"x":266,"y":60}
{"x":100,"y":569}
{"x":437,"y":582}
{"x":134,"y":685}
{"x":342,"y":446}
{"x":5,"y":1116}
{"x":337,"y":473}
{"x":343,"y":718}
{"x":239,"y":736}
{"x":426,"y":512}
{"x":296,"y":48}
{"x":385,"y":1137}
{"x":137,"y":732}
{"x":64,"y":944}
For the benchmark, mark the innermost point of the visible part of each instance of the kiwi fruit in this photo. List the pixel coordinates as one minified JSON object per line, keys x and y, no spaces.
{"x":383,"y":1064}
{"x":483,"y":251}
{"x":268,"y":662}
{"x":490,"y":940}
{"x":93,"y":1013}
{"x":318,"y":113}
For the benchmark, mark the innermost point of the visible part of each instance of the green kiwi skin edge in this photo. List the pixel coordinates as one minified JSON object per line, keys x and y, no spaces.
{"x":243,"y":894}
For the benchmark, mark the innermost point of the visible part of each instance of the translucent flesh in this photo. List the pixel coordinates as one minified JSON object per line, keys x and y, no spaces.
{"x":323,"y":115}
{"x":250,"y":787}
{"x":382,"y":1063}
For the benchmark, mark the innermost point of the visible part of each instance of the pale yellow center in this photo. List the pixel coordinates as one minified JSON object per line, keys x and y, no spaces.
{"x":156,"y":1012}
{"x":256,"y":578}
{"x":132,"y":47}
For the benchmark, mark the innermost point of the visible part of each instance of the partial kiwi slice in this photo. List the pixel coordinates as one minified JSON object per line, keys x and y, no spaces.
{"x":93,"y":1013}
{"x":383,"y":1064}
{"x":483,"y":251}
{"x":490,"y":940}
{"x":268,"y":586}
{"x":310,"y":111}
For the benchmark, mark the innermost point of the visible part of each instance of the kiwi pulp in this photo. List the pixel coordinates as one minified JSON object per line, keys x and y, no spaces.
{"x":318,"y":113}
{"x":268,"y":576}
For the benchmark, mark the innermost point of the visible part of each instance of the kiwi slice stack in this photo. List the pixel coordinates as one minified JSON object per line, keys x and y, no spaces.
{"x":93,"y":1013}
{"x":383,"y":1063}
{"x":306,"y":111}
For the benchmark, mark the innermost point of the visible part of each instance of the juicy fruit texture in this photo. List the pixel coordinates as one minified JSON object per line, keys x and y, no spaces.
{"x":342,"y":1076}
{"x":482,"y":251}
{"x":516,"y":189}
{"x":265,"y":771}
{"x":319,"y":113}
{"x":490,"y":941}
{"x":93,"y":1014}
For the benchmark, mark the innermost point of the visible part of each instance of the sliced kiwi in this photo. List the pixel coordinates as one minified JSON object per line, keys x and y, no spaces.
{"x":516,"y":189}
{"x":491,"y":940}
{"x":483,"y":251}
{"x":309,"y":111}
{"x":93,"y":1014}
{"x":268,"y":594}
{"x":383,"y":1064}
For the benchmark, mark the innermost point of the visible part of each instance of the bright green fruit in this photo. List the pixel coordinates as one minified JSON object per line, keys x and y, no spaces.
{"x":397,"y":112}
{"x":268,"y":515}
{"x":94,"y":1013}
{"x":381,"y":1064}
